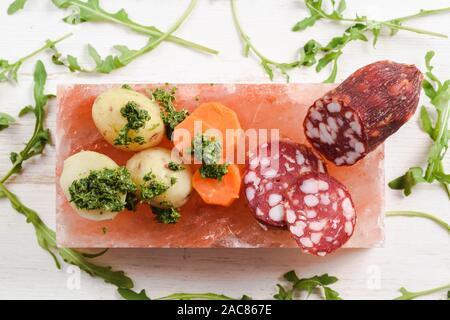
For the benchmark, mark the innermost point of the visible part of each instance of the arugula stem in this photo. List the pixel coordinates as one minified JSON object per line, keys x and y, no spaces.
{"x":190,"y":296}
{"x":155,"y":43}
{"x":45,"y":47}
{"x":391,"y":23}
{"x":245,"y":37}
{"x":418,"y":214}
{"x":249,"y":46}
{"x":148,"y":31}
{"x":407,"y":295}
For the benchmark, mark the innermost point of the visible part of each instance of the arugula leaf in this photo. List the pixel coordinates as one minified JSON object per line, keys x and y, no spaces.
{"x":91,"y":11}
{"x":439,"y":94}
{"x":406,"y":182}
{"x":408,"y":295}
{"x":9,"y":70}
{"x":128,"y":294}
{"x":417,"y":214}
{"x":5,"y":120}
{"x":307,"y":285}
{"x":16,"y":6}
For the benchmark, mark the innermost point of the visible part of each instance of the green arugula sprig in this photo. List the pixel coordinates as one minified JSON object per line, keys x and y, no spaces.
{"x":125,"y":55}
{"x":313,"y":53}
{"x":408,"y":295}
{"x":439,"y":94}
{"x":362,"y":26}
{"x":308,"y":285}
{"x":45,"y":236}
{"x":91,"y":11}
{"x":6,"y":120}
{"x":9,"y":70}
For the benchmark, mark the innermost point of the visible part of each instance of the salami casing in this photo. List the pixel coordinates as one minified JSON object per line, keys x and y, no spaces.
{"x":361,"y":113}
{"x":320,"y":213}
{"x":271,"y":171}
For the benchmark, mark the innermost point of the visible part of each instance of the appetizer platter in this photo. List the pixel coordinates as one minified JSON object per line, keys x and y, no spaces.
{"x":315,"y":179}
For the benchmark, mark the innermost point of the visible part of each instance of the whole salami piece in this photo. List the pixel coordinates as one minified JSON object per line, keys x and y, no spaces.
{"x":271,"y":171}
{"x":320,"y":213}
{"x":356,"y":117}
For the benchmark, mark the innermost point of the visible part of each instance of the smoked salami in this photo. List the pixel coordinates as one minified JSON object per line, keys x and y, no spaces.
{"x":271,"y":171}
{"x":361,"y":113}
{"x":320,"y":213}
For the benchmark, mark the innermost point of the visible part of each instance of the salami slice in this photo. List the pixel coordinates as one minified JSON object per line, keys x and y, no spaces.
{"x":320,"y":213}
{"x":361,"y":113}
{"x":271,"y":171}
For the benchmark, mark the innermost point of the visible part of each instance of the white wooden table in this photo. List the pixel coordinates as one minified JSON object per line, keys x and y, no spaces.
{"x":416,"y":254}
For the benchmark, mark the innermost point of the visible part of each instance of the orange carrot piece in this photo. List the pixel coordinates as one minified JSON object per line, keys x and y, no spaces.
{"x":222,"y":193}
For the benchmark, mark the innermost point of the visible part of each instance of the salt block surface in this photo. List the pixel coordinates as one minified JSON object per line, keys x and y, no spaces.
{"x":259,"y":106}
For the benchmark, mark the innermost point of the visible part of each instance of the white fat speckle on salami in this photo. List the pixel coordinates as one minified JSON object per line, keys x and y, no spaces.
{"x":272,"y":169}
{"x":321,"y":214}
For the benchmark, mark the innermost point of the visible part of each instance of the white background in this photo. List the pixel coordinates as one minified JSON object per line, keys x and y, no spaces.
{"x":416,"y":254}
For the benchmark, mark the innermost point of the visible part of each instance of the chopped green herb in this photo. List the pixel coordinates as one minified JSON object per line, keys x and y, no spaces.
{"x":166,"y":215}
{"x":5,"y":120}
{"x":152,"y":187}
{"x":102,"y":189}
{"x":439,"y":94}
{"x":136,"y":118}
{"x":307,"y":285}
{"x":170,"y":116}
{"x":206,"y":149}
{"x":127,"y":86}
{"x":175,"y":166}
{"x":131,"y":201}
{"x":214,"y":171}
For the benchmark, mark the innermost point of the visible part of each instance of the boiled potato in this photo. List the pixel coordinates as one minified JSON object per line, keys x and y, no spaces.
{"x":156,"y":161}
{"x":79,"y":166}
{"x":109,"y":120}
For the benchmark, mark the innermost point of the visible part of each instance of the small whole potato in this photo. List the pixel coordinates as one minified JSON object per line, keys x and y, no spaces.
{"x":156,"y":161}
{"x":79,"y":166}
{"x":107,"y":116}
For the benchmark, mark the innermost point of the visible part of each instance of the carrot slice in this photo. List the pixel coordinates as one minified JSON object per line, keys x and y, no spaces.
{"x":221,"y":193}
{"x":213,"y":119}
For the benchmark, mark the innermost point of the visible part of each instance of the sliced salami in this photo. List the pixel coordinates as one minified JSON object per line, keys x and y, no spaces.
{"x":361,"y":113}
{"x":271,"y":171}
{"x":320,"y":213}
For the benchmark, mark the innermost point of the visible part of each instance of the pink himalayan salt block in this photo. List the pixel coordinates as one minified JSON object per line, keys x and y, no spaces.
{"x":259,"y":106}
